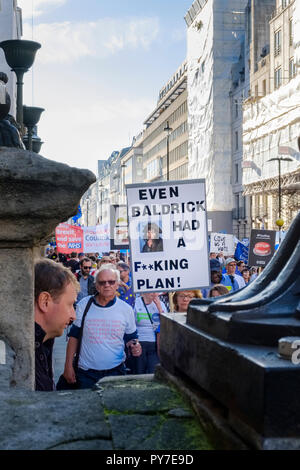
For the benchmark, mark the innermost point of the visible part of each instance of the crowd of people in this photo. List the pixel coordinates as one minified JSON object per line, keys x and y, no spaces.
{"x":111,"y":331}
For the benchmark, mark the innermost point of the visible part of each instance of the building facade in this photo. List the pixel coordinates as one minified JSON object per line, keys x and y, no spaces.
{"x":215,"y":33}
{"x":170,"y":112}
{"x":271,"y":126}
{"x":240,"y":88}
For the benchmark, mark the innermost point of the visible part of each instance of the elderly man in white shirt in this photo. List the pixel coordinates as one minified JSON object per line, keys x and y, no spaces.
{"x":109,"y":325}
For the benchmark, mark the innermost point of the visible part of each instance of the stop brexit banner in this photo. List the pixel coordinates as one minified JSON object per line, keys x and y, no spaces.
{"x":70,"y":238}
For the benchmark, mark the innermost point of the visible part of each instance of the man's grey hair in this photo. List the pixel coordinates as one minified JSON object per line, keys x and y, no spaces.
{"x":108,"y":267}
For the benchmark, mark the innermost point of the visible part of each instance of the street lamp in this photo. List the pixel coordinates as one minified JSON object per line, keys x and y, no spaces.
{"x":279,"y":222}
{"x":31,"y":116}
{"x":20,"y":55}
{"x":36,"y":142}
{"x":168,"y":129}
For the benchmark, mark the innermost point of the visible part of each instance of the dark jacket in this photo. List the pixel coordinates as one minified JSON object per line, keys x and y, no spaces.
{"x":43,"y":361}
{"x":91,"y":283}
{"x":156,"y":246}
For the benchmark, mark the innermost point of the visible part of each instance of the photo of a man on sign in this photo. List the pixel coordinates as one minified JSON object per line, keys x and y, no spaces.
{"x":151,"y":241}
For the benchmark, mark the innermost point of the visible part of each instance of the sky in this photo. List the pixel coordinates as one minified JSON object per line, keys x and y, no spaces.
{"x":99,"y":71}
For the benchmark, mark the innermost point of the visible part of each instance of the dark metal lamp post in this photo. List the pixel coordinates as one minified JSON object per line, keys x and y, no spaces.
{"x":168,"y":129}
{"x":36,"y":143}
{"x":31,"y":116}
{"x":20,"y":55}
{"x":279,"y":222}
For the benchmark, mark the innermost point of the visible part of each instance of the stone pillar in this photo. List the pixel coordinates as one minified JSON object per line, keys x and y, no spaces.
{"x":36,"y":194}
{"x":17,"y":318}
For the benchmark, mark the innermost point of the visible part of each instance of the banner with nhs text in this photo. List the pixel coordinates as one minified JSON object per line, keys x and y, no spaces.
{"x":168,"y":235}
{"x":69,"y":238}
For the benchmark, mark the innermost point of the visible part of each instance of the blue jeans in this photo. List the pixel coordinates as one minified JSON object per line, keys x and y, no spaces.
{"x":146,"y":362}
{"x":88,"y":378}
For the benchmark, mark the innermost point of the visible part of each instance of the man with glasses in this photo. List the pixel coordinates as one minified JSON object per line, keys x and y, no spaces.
{"x":232,"y":281}
{"x":85,"y":279}
{"x":108,"y":326}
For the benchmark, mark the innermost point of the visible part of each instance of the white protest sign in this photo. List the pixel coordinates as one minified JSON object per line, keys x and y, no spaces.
{"x":222,"y":242}
{"x":96,"y":239}
{"x":168,"y":236}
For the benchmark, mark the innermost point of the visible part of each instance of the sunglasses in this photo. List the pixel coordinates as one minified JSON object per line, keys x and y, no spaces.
{"x":87,"y":267}
{"x":103,"y":283}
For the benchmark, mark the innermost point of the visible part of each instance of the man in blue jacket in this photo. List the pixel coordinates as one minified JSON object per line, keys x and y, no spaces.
{"x":232,"y":281}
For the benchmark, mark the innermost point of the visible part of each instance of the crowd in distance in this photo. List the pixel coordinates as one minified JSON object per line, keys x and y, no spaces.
{"x":110,"y":329}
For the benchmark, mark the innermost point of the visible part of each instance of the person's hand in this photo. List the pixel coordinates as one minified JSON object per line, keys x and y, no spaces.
{"x":69,"y":375}
{"x":135,"y":347}
{"x":157,"y":302}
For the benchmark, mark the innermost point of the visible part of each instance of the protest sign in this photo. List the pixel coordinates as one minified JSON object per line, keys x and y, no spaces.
{"x":69,"y":238}
{"x":96,"y":239}
{"x":262,"y":247}
{"x":118,"y":227}
{"x":168,"y":235}
{"x":221,"y":243}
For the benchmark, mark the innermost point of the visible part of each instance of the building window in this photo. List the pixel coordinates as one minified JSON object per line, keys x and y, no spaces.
{"x":237,"y":204}
{"x":277,"y":78}
{"x":256,"y":91}
{"x":292,"y":68}
{"x":236,"y":167}
{"x":264,"y":87}
{"x":291,"y":31}
{"x":277,"y":42}
{"x":236,"y":140}
{"x":153,"y":169}
{"x":236,"y":107}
